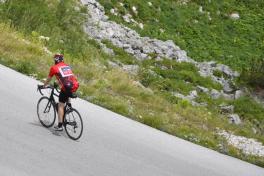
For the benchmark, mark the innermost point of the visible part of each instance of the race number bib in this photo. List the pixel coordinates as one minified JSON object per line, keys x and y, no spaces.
{"x":65,"y":71}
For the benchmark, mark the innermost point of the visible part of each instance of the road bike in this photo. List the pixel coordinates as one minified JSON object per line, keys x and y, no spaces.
{"x":47,"y":110}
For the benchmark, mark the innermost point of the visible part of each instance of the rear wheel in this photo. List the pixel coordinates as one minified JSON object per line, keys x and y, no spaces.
{"x":46,"y":112}
{"x":73,"y":124}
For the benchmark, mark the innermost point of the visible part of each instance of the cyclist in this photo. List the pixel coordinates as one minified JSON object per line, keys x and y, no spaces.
{"x":68,"y":84}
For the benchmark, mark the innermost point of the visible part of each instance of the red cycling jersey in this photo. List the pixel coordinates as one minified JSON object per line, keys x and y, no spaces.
{"x":65,"y":76}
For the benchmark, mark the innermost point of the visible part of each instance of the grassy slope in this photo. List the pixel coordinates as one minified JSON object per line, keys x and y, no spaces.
{"x":115,"y":89}
{"x":231,"y":42}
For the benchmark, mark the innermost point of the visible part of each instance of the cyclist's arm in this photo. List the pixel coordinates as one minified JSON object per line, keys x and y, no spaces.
{"x":51,"y":73}
{"x":47,"y":81}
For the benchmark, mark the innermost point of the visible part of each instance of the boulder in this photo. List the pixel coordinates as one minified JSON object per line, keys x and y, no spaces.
{"x":131,"y":69}
{"x":234,"y":16}
{"x":234,"y":118}
{"x":193,"y":94}
{"x":215,"y":94}
{"x":238,"y":94}
{"x":202,"y":89}
{"x":127,"y":18}
{"x":226,"y":109}
{"x":227,"y":88}
{"x":227,"y":96}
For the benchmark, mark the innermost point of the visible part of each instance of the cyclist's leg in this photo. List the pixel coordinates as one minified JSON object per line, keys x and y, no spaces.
{"x":63,"y":98}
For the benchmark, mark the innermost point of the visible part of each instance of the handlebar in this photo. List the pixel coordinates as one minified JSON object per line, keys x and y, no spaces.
{"x":40,"y":87}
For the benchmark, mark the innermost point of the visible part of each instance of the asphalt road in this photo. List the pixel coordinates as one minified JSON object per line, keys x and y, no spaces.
{"x":111,"y":145}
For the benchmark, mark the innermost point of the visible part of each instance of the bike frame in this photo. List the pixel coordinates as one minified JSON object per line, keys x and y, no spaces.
{"x":52,"y":100}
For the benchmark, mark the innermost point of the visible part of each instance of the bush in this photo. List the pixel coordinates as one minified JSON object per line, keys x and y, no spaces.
{"x":253,"y":75}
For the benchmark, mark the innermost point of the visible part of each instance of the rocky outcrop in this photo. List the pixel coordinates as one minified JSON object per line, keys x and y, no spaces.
{"x":100,"y":28}
{"x":246,"y":145}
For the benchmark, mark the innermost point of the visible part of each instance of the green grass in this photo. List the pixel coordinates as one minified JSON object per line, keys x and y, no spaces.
{"x":168,"y":75}
{"x":113,"y":88}
{"x":255,"y":113}
{"x":57,"y":20}
{"x":228,"y":41}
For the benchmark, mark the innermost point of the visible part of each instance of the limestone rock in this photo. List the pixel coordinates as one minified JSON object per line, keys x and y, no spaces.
{"x":99,"y":27}
{"x":234,"y":16}
{"x":215,"y":94}
{"x":248,"y":146}
{"x":227,"y":109}
{"x":234,"y":118}
{"x":202,"y":89}
{"x":238,"y":94}
{"x":132,"y":69}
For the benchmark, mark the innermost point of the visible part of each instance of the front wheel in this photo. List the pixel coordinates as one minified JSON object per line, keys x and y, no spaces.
{"x":46,"y":112}
{"x":73,"y":124}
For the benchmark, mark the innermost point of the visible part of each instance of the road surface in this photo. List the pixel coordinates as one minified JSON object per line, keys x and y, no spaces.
{"x":111,"y":145}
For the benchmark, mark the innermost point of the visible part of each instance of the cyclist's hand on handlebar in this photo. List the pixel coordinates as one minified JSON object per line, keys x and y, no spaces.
{"x":41,"y":86}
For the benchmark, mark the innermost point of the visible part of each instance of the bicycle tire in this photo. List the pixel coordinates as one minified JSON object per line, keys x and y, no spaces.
{"x":72,"y":121}
{"x":44,"y":104}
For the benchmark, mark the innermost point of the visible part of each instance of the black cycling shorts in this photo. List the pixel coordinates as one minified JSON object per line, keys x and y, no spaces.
{"x":64,"y":96}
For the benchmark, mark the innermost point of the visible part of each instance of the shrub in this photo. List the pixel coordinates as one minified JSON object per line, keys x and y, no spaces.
{"x":253,"y":75}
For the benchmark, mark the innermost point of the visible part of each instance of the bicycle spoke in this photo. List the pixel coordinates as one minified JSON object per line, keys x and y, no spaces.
{"x":73,"y":124}
{"x":46,"y":112}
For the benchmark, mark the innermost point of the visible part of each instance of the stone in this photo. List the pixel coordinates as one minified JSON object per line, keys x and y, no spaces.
{"x":248,"y":146}
{"x":143,"y":55}
{"x":238,"y":94}
{"x":131,"y":69}
{"x":212,"y":64}
{"x":113,"y":64}
{"x":134,"y":9}
{"x":201,"y":9}
{"x":227,"y":109}
{"x":193,"y":94}
{"x":234,"y":16}
{"x":176,"y":94}
{"x":141,"y":26}
{"x":227,"y":87}
{"x":227,"y":96}
{"x":112,"y":11}
{"x":150,"y":4}
{"x":234,"y":118}
{"x":127,"y":18}
{"x":146,"y":49}
{"x":226,"y":70}
{"x":215,"y":94}
{"x":202,"y":89}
